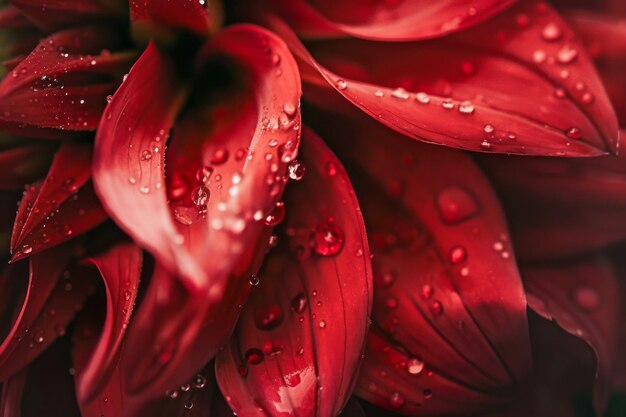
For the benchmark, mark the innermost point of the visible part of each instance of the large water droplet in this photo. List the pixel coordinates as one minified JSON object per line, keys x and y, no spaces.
{"x":414,"y":366}
{"x":455,"y":205}
{"x":296,"y":170}
{"x":327,"y":239}
{"x":200,"y":195}
{"x":268,"y":318}
{"x":341,"y":84}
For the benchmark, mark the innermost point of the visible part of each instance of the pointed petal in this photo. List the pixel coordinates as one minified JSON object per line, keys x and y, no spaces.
{"x":120,"y":269}
{"x":561,"y":207}
{"x":299,"y":341}
{"x":446,"y":282}
{"x":499,"y":87}
{"x":583,"y":298}
{"x":51,"y":15}
{"x":207,"y":217}
{"x":191,"y":15}
{"x":386,"y":21}
{"x":69,"y":76}
{"x":24,"y":164}
{"x":48,"y":306}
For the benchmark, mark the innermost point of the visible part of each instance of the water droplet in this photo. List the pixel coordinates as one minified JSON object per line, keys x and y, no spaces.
{"x":243,"y":370}
{"x":392,"y":303}
{"x":587,"y":98}
{"x":415,"y":366}
{"x":220,"y":156}
{"x":341,"y":84}
{"x":331,"y":169}
{"x":289,"y":109}
{"x":146,"y":155}
{"x":427,"y":292}
{"x":566,"y":54}
{"x":586,"y":298}
{"x":428,"y":394}
{"x":466,"y":108}
{"x":322,"y":324}
{"x":268,"y":318}
{"x":277,"y":215}
{"x":299,"y":302}
{"x":485,"y":144}
{"x":560,"y":93}
{"x":422,"y":98}
{"x":396,"y":400}
{"x":254,"y":280}
{"x":437,"y":308}
{"x":188,"y":404}
{"x":172,"y":394}
{"x":203,"y":174}
{"x":539,"y":56}
{"x":185,"y":388}
{"x":400,"y":93}
{"x":489,"y":128}
{"x":551,"y":32}
{"x":296,"y":170}
{"x":254,"y":356}
{"x":379,"y":93}
{"x":574,"y":133}
{"x":447,"y":104}
{"x":455,"y":205}
{"x":26,"y":249}
{"x":327,"y":239}
{"x":522,"y":20}
{"x":199,"y":381}
{"x":458,"y":254}
{"x":144,"y":189}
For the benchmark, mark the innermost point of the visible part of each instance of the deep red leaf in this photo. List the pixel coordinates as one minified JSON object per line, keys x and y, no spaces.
{"x":51,"y":15}
{"x":518,"y":83}
{"x":53,"y":296}
{"x":225,"y":173}
{"x":446,"y":282}
{"x":583,"y":298}
{"x":191,"y":15}
{"x":299,"y":341}
{"x":120,"y":269}
{"x":561,"y":207}
{"x":63,"y":83}
{"x":382,"y":21}
{"x":24,"y":163}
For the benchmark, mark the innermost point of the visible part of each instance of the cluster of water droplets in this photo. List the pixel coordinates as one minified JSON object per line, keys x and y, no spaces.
{"x":189,"y":389}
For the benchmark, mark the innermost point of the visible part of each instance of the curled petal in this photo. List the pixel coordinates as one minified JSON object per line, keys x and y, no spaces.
{"x":53,"y":295}
{"x":518,"y":83}
{"x":383,"y":21}
{"x":582,"y":297}
{"x":51,"y":15}
{"x":299,"y":341}
{"x":68,"y":75}
{"x":226,"y":161}
{"x":561,"y":207}
{"x":446,"y":282}
{"x":120,"y":269}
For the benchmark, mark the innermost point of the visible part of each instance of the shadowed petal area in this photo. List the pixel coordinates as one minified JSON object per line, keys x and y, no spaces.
{"x":11,"y":397}
{"x":445,"y":279}
{"x":191,"y":15}
{"x":229,"y":142}
{"x":298,"y":343}
{"x":518,"y":83}
{"x":63,"y":83}
{"x":382,"y":20}
{"x":24,"y":161}
{"x":120,"y":268}
{"x":582,"y":297}
{"x":54,"y":293}
{"x":561,"y":207}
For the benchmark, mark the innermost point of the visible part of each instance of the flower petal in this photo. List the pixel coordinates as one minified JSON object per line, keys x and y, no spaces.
{"x":120,"y":269}
{"x":237,"y":134}
{"x":383,"y":21}
{"x":48,"y":306}
{"x":583,"y":298}
{"x":299,"y":341}
{"x":185,"y":14}
{"x":69,"y":76}
{"x":561,"y":207}
{"x":24,"y":163}
{"x":446,"y":282}
{"x":503,"y":86}
{"x":51,"y":15}
{"x":12,"y":391}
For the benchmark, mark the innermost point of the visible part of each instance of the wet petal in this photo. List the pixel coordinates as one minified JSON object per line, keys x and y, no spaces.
{"x":53,"y":295}
{"x":120,"y":269}
{"x":561,"y":207}
{"x":519,"y":83}
{"x":582,"y":297}
{"x":63,"y":83}
{"x":227,"y":161}
{"x":299,"y":341}
{"x":446,"y":282}
{"x":191,"y":15}
{"x":383,"y":21}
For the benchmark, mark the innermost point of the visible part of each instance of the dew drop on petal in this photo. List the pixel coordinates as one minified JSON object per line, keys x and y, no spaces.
{"x":296,"y":170}
{"x":573,"y":133}
{"x":341,"y":84}
{"x":199,"y":381}
{"x":396,"y":400}
{"x":254,"y":356}
{"x":447,"y":104}
{"x":566,"y":54}
{"x":298,"y":303}
{"x":422,"y":98}
{"x":415,"y":366}
{"x":200,"y":196}
{"x":466,"y":107}
{"x":327,"y":239}
{"x":254,"y":280}
{"x":268,"y":318}
{"x":551,"y":32}
{"x":26,"y":249}
{"x":400,"y":93}
{"x":457,"y":254}
{"x":456,"y":205}
{"x":437,"y":308}
{"x":428,"y":394}
{"x":277,"y":215}
{"x":220,"y":156}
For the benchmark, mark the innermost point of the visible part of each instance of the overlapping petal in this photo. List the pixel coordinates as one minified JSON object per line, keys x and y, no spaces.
{"x":24,"y":161}
{"x":298,"y":344}
{"x":518,"y":83}
{"x":52,"y":297}
{"x":226,"y":165}
{"x":561,"y":207}
{"x":63,"y":84}
{"x":381,"y":20}
{"x":583,"y":298}
{"x":59,"y":208}
{"x":191,"y":15}
{"x":446,"y":282}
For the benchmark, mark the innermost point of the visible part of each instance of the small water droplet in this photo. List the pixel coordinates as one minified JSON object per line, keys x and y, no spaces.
{"x":466,"y":107}
{"x":254,"y":280}
{"x":587,"y":98}
{"x":457,"y":254}
{"x":400,"y":93}
{"x":220,"y":156}
{"x":331,"y":169}
{"x":379,"y":93}
{"x":146,"y":155}
{"x":341,"y":84}
{"x":539,"y":56}
{"x":26,"y":249}
{"x":396,"y":400}
{"x":203,"y":174}
{"x":327,"y":239}
{"x":268,"y":318}
{"x":489,"y":128}
{"x":289,"y":109}
{"x":277,"y":215}
{"x":254,"y":356}
{"x":437,"y":308}
{"x":427,"y":292}
{"x":566,"y":54}
{"x":172,"y":394}
{"x":199,"y":381}
{"x":200,"y":195}
{"x":422,"y":98}
{"x":298,"y":303}
{"x":455,"y":205}
{"x":574,"y":133}
{"x":322,"y":324}
{"x":188,"y":404}
{"x":447,"y":104}
{"x":551,"y":32}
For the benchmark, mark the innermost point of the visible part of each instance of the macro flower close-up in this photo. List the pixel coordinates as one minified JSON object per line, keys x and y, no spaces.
{"x":307,"y":208}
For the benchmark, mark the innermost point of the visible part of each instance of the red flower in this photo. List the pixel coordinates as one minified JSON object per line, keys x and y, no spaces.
{"x":187,"y":244}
